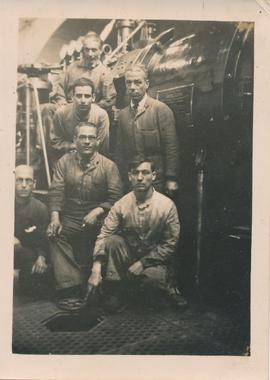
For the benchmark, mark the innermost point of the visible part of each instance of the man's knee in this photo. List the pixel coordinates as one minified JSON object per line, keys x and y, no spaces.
{"x":114,"y":243}
{"x":155,"y":277}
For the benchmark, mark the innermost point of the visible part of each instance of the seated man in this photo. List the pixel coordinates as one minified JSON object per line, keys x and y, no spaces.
{"x":137,"y":240}
{"x":85,"y":185}
{"x":31,"y":220}
{"x":82,"y":109}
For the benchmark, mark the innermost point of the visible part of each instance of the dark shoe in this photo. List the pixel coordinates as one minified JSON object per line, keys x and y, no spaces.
{"x":72,"y":292}
{"x":69,"y":299}
{"x":177,"y":300}
{"x":71,"y":304}
{"x":113,"y":297}
{"x":113,"y":304}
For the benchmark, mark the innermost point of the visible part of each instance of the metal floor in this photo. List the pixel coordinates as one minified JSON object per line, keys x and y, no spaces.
{"x":140,"y":331}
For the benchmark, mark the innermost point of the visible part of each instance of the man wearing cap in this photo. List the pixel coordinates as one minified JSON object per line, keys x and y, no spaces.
{"x":31,"y":221}
{"x":82,"y":109}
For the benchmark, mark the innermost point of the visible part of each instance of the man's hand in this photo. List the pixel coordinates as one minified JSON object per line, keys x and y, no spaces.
{"x":136,"y":269}
{"x":95,"y":279}
{"x":40,"y":265}
{"x":55,"y":227}
{"x":92,"y":218}
{"x":16,"y":243}
{"x":171,"y":187}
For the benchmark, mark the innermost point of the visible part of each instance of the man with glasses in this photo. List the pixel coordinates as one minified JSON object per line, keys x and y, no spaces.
{"x":31,"y":221}
{"x":82,"y":109}
{"x":137,"y":243}
{"x":85,"y":185}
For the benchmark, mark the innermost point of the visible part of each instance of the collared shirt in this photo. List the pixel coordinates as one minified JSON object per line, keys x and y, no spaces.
{"x":151,"y":229}
{"x":77,"y":188}
{"x":67,"y":118}
{"x":140,"y":105}
{"x":100,"y":75}
{"x":31,"y":222}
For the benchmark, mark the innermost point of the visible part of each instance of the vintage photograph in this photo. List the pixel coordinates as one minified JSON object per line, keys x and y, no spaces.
{"x":133,"y":187}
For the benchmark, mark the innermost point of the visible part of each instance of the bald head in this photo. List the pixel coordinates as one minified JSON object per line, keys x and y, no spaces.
{"x":24,"y":170}
{"x":24,"y":182}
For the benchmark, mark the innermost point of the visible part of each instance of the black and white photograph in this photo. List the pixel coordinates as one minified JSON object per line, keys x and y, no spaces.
{"x":133,"y":188}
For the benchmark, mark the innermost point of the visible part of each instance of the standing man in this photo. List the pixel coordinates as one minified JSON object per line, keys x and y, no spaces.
{"x":89,"y":67}
{"x":147,"y":127}
{"x":84,"y":187}
{"x":138,"y":240}
{"x":31,"y":220}
{"x":82,"y":109}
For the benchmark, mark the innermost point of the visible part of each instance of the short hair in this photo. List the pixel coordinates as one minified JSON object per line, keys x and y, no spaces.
{"x":83,"y":82}
{"x":137,"y":67}
{"x":92,"y":35}
{"x":138,"y":160}
{"x":83,"y":124}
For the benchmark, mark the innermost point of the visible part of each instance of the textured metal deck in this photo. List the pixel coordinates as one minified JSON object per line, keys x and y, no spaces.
{"x":191,"y":332}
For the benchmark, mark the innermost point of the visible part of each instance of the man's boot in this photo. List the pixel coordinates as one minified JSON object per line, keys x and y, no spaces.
{"x":113,"y":296}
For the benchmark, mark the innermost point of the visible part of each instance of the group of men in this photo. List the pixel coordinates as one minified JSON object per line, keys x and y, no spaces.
{"x":111,"y":223}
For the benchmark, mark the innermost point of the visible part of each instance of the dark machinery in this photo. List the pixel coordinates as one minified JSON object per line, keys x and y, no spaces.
{"x":207,"y":80}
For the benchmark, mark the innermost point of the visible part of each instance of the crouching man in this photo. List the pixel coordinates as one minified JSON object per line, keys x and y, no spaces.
{"x":85,"y":185}
{"x":137,"y":241}
{"x":31,"y":220}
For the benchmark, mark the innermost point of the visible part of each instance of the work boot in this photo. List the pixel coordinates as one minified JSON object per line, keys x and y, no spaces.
{"x":113,"y":297}
{"x":176,"y":299}
{"x":69,"y":299}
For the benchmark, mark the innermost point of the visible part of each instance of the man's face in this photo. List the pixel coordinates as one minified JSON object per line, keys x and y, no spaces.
{"x":136,"y":84}
{"x":91,"y":51}
{"x":83,"y":98}
{"x":142,"y":177}
{"x":86,"y":141}
{"x":24,"y":182}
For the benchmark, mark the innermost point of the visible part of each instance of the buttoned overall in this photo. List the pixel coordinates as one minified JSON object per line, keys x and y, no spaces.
{"x":76,"y":190}
{"x":146,"y":232}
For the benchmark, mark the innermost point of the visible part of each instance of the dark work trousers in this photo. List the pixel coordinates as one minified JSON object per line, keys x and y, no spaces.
{"x":120,"y":257}
{"x":24,"y":259}
{"x":71,"y":252}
